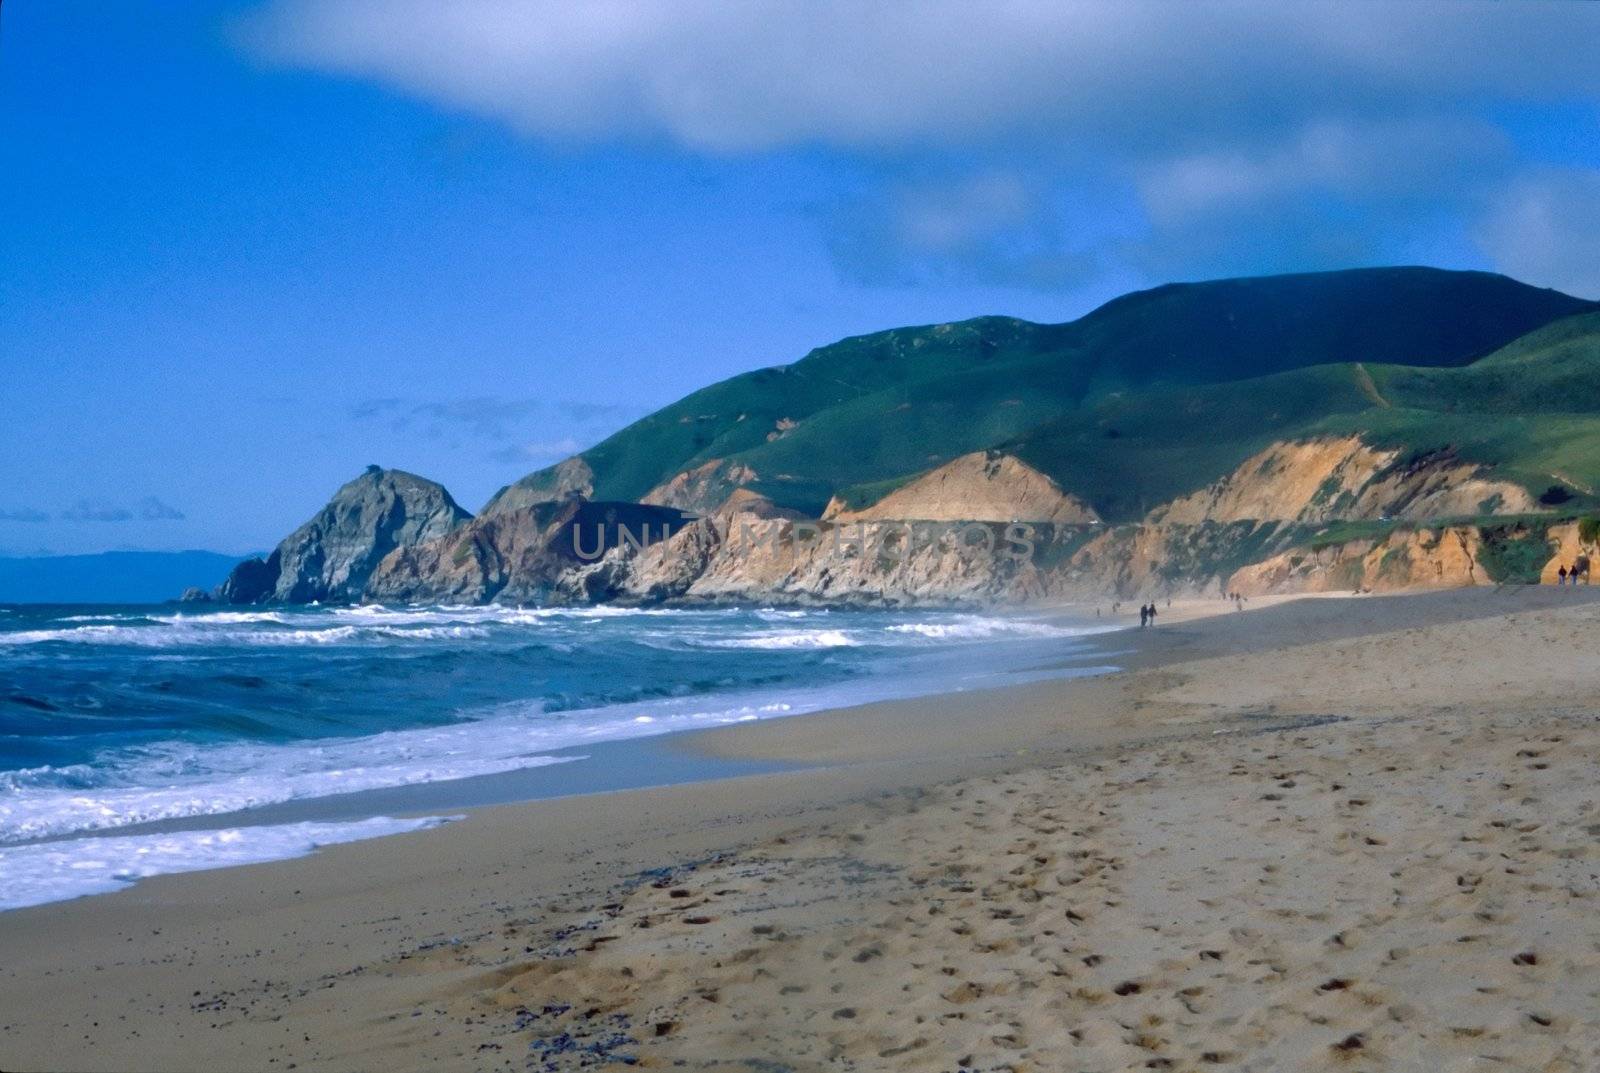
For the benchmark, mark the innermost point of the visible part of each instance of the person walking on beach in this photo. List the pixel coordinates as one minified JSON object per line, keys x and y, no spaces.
{"x":1152,"y":612}
{"x":1144,"y":616}
{"x":1561,"y":576}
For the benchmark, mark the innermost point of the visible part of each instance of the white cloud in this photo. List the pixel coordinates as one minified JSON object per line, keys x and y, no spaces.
{"x":1256,"y":135}
{"x":1385,"y":158}
{"x":762,"y":74}
{"x":1333,"y":193}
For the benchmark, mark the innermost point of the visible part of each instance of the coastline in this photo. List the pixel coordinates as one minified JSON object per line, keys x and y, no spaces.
{"x":501,"y":705}
{"x":323,"y":959}
{"x":620,"y":745}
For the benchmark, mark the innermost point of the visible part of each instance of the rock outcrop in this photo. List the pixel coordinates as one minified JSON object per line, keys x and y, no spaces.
{"x":984,"y":486}
{"x":1516,"y":551}
{"x":1423,"y":558}
{"x":1316,"y":481}
{"x":531,"y":554}
{"x":739,"y":556}
{"x":572,"y":477}
{"x":332,"y":556}
{"x":1319,"y":515}
{"x":702,"y":489}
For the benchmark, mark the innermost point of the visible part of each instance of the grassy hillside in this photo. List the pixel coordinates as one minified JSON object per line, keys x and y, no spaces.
{"x":1147,"y":397}
{"x":1130,"y":453}
{"x":1531,"y":410}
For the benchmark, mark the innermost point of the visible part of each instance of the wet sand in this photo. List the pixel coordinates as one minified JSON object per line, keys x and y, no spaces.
{"x":1327,"y":834}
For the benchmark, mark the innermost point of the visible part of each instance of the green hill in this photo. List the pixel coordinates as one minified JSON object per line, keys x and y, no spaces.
{"x":1149,"y":396}
{"x":1531,"y":410}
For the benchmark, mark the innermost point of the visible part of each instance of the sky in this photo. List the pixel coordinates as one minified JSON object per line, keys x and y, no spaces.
{"x":248,"y":248}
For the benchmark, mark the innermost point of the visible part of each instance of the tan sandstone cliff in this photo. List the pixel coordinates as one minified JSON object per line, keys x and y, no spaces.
{"x":744,"y":554}
{"x":985,"y":486}
{"x":702,"y":489}
{"x":1569,"y":549}
{"x":1445,"y":557}
{"x":1317,"y":515}
{"x":1314,"y":481}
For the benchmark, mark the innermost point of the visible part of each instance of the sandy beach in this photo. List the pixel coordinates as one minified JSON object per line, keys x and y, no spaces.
{"x":1319,"y":834}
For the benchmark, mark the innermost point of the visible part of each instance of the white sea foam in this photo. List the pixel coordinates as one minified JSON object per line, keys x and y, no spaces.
{"x":220,"y":617}
{"x":323,"y":626}
{"x":181,"y":633}
{"x":140,"y":784}
{"x":370,"y":623}
{"x":977,"y":627}
{"x":963,"y":628}
{"x":497,"y":613}
{"x":176,"y":780}
{"x":43,"y":872}
{"x":786,"y":639}
{"x":878,"y":656}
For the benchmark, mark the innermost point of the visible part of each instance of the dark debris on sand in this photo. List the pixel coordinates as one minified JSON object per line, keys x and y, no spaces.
{"x":587,"y":1041}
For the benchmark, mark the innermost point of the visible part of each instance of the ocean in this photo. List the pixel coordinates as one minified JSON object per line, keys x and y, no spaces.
{"x":123,"y":729}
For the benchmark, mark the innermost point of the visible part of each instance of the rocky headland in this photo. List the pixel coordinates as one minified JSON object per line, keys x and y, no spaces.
{"x":1375,"y":430}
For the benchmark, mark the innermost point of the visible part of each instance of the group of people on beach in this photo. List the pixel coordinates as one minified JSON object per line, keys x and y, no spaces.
{"x":1579,"y":569}
{"x":1147,"y":612}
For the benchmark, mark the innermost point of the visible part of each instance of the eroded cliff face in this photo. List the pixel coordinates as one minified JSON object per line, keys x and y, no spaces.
{"x":733,"y":557}
{"x":984,"y":528}
{"x":985,"y":486}
{"x":527,"y":555}
{"x":1178,"y":551}
{"x":1569,"y":549}
{"x":332,"y":556}
{"x":1425,"y":558}
{"x":1520,"y":551}
{"x":743,"y":556}
{"x":472,"y":564}
{"x":1317,"y":481}
{"x":572,"y":477}
{"x":703,"y":489}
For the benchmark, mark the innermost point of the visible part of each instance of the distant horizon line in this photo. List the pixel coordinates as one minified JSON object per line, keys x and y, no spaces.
{"x":45,"y":553}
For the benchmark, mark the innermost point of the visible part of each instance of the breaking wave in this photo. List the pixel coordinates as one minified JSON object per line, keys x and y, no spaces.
{"x":115,"y":717}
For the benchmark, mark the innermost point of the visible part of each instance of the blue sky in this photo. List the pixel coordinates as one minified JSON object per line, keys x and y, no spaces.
{"x":248,"y":248}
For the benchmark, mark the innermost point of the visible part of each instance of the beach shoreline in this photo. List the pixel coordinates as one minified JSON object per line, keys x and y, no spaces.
{"x":323,"y":960}
{"x":622,"y":745}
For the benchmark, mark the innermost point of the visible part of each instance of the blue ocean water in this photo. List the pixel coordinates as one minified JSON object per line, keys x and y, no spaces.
{"x":114,"y":716}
